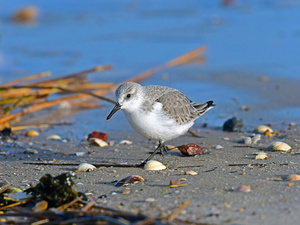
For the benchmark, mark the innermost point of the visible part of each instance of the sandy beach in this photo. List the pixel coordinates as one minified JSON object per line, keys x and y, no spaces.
{"x":250,"y":69}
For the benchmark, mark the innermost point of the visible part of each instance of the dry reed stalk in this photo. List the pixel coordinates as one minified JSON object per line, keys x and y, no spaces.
{"x":25,"y":79}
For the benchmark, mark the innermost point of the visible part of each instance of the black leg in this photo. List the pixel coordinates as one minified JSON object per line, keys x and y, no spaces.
{"x":161,"y":148}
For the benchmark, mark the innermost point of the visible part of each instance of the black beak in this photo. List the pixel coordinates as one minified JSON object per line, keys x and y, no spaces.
{"x":114,"y":110}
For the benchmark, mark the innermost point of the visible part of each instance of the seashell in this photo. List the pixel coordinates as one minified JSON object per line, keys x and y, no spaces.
{"x":219,"y":147}
{"x":22,"y":196}
{"x":191,"y":172}
{"x":40,"y":206}
{"x":99,"y":135}
{"x":32,"y":133}
{"x":154,"y":165}
{"x":26,"y":15}
{"x":132,"y":179}
{"x":256,"y":138}
{"x":174,"y":182}
{"x":80,"y":153}
{"x":98,"y":142}
{"x":279,"y":146}
{"x":262,"y":129}
{"x":126,"y":191}
{"x":150,"y":200}
{"x":85,"y":167}
{"x":125,"y":142}
{"x":247,"y":140}
{"x":243,"y":188}
{"x":53,"y":137}
{"x":4,"y":186}
{"x":30,"y":151}
{"x":293,"y":177}
{"x":261,"y":155}
{"x":191,"y":149}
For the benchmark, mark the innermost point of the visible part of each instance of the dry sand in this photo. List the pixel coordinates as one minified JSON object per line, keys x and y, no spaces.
{"x":211,"y":191}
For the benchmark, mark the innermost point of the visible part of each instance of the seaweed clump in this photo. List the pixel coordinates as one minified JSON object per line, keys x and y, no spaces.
{"x":55,"y":190}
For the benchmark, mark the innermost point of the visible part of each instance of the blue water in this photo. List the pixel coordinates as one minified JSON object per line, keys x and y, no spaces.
{"x":258,"y":37}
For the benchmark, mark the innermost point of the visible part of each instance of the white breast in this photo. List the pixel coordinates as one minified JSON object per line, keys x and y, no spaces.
{"x":156,"y":124}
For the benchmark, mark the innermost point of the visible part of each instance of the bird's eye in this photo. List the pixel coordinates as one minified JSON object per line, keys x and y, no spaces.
{"x":128,"y":96}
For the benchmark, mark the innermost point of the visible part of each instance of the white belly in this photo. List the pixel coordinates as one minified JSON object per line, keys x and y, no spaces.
{"x":156,"y":125}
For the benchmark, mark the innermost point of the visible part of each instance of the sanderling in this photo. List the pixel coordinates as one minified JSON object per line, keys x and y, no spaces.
{"x":157,"y":112}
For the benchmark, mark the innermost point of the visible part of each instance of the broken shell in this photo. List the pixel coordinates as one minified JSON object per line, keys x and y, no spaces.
{"x":293,"y":177}
{"x":219,"y":147}
{"x":191,"y":172}
{"x":99,"y":135}
{"x":4,"y":186}
{"x":247,"y":140}
{"x":256,"y":138}
{"x":261,"y":155}
{"x":191,"y":149}
{"x":98,"y":142}
{"x":53,"y":137}
{"x":126,"y":191}
{"x":174,"y":182}
{"x":279,"y":146}
{"x":262,"y":129}
{"x":132,"y":179}
{"x":125,"y":142}
{"x":154,"y":165}
{"x":40,"y":206}
{"x":243,"y":188}
{"x":32,"y":133}
{"x":22,"y":196}
{"x":85,"y":167}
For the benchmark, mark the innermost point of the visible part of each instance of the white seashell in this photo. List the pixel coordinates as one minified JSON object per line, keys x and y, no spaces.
{"x":261,"y":155}
{"x":279,"y":146}
{"x":80,"y":153}
{"x":219,"y":147}
{"x":53,"y":137}
{"x":98,"y":142}
{"x":293,"y":177}
{"x":262,"y":129}
{"x":154,"y":165}
{"x":21,"y":196}
{"x":150,"y":200}
{"x":247,"y":140}
{"x":256,"y":138}
{"x":85,"y":167}
{"x":243,"y":188}
{"x":125,"y":142}
{"x":191,"y":172}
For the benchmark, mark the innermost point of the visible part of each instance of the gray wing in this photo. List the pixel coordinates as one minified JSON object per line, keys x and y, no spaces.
{"x":178,"y":107}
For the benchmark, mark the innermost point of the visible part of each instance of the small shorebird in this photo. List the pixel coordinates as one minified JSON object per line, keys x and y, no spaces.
{"x":157,"y":112}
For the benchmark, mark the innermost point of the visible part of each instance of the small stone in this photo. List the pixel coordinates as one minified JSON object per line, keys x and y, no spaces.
{"x":233,"y":125}
{"x":190,"y":149}
{"x":125,"y":142}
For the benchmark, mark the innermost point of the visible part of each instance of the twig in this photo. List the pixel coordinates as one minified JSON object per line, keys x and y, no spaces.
{"x":76,"y":164}
{"x":174,"y":62}
{"x":249,"y":164}
{"x":180,"y":208}
{"x":25,"y":79}
{"x":194,"y":134}
{"x":16,"y":204}
{"x":90,"y":204}
{"x":65,"y":206}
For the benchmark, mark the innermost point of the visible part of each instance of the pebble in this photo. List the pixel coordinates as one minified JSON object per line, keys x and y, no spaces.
{"x":191,"y":172}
